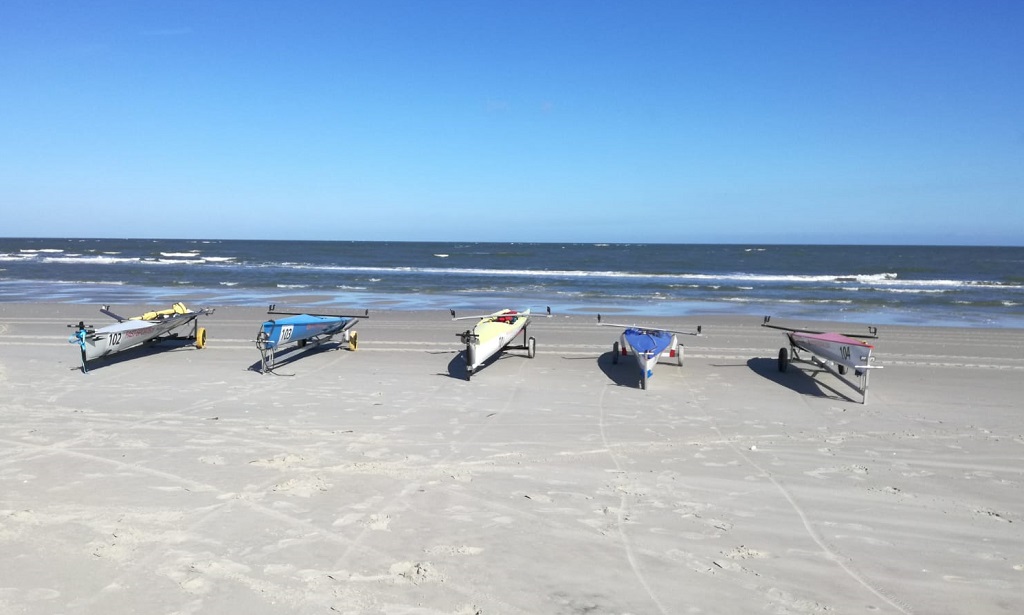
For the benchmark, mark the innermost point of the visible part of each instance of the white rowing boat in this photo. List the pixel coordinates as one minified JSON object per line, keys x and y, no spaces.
{"x":493,"y":333}
{"x":131,"y":332}
{"x":837,"y":353}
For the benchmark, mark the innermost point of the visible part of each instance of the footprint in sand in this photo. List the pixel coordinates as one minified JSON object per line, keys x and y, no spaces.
{"x":452,"y":550}
{"x":379,"y":522}
{"x":413,"y":572}
{"x":279,"y":461}
{"x":742,"y":552}
{"x":302,"y":487}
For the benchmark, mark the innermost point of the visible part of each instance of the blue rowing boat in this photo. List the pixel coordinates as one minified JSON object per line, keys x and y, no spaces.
{"x":647,"y":345}
{"x":301,"y":329}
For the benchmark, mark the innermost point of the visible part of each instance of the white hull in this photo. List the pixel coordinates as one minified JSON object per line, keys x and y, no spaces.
{"x":132,"y":332}
{"x":492,"y":334}
{"x":128,"y":334}
{"x":848,"y":352}
{"x":833,"y":352}
{"x":646,"y":360}
{"x":480,"y":352}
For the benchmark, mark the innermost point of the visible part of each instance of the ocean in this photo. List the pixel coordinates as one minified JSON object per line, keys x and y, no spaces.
{"x":918,"y":285}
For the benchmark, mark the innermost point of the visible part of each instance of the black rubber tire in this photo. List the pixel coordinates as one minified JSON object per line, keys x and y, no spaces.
{"x":615,"y":353}
{"x":783,"y":359}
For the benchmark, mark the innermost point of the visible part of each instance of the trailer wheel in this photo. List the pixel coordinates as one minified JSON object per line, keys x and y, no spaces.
{"x":615,"y":353}
{"x":353,"y":341}
{"x":200,"y":337}
{"x":531,"y":347}
{"x":679,"y":354}
{"x":783,"y":359}
{"x":841,"y":369}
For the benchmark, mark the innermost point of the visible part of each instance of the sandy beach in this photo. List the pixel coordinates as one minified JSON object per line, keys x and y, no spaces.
{"x":171,"y":480}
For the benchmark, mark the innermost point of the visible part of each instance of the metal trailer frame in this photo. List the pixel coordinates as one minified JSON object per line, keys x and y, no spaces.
{"x":861,"y":372}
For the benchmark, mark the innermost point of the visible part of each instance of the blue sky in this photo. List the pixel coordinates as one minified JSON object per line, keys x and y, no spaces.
{"x":877,"y":121}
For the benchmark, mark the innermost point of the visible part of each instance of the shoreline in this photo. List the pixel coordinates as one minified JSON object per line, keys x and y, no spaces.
{"x":414,"y":303}
{"x":179,"y":480}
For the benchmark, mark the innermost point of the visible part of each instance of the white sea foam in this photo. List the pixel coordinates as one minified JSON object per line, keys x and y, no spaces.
{"x":167,"y":261}
{"x":914,"y":291}
{"x":180,"y":254}
{"x":787,"y":301}
{"x":873,"y":279}
{"x":89,"y":260}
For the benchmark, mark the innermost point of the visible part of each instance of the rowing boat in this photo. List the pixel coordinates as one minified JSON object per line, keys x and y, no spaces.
{"x":836,"y":353}
{"x":493,"y":333}
{"x":131,"y":332}
{"x":647,"y":346}
{"x":300,"y":329}
{"x":845,"y":351}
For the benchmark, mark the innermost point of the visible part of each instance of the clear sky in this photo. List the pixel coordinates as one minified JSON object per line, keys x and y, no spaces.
{"x":816,"y":121}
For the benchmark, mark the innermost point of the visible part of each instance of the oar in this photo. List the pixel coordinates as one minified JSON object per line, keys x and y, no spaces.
{"x":872,"y":333}
{"x":496,"y":315}
{"x":622,"y":326}
{"x":273,"y":310}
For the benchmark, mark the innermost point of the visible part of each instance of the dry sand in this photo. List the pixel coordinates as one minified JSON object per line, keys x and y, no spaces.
{"x":177,"y":480}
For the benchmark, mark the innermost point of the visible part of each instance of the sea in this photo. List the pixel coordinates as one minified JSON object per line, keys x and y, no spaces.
{"x":913,"y":285}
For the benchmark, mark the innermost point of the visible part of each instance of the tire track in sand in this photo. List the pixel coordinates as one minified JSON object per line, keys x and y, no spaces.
{"x":621,"y":513}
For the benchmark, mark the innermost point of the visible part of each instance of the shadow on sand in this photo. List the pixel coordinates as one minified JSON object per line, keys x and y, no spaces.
{"x":802,"y":379}
{"x":625,"y":373}
{"x":457,"y":366}
{"x":294,"y":353}
{"x":139,"y":352}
